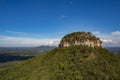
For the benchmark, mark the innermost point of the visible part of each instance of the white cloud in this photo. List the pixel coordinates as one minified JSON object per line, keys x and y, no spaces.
{"x":116,"y":33}
{"x":108,"y":41}
{"x":20,"y":41}
{"x":112,"y":39}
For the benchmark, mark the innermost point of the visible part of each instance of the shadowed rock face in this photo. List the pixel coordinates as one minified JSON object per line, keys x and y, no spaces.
{"x":80,"y":38}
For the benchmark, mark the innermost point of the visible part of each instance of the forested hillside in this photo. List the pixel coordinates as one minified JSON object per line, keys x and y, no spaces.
{"x":70,"y":63}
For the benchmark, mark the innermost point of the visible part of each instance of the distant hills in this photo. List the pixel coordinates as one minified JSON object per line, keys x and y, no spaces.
{"x":114,"y":50}
{"x":78,"y":62}
{"x":45,"y":48}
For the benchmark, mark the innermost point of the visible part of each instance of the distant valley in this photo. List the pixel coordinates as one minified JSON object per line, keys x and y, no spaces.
{"x":13,"y":55}
{"x":114,"y":50}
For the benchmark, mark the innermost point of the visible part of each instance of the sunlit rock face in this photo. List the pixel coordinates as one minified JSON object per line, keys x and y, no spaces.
{"x":80,"y":38}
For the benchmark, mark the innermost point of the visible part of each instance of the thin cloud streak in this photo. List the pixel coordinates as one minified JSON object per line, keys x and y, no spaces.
{"x":21,"y":33}
{"x":15,"y":32}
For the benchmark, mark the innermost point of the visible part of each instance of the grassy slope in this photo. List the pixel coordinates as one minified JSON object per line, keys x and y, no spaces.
{"x":72,"y":63}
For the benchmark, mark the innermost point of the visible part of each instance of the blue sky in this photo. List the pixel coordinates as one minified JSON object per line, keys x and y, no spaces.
{"x":45,"y":22}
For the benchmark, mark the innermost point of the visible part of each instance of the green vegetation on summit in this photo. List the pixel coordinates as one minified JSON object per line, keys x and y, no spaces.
{"x":82,"y":35}
{"x":78,"y":62}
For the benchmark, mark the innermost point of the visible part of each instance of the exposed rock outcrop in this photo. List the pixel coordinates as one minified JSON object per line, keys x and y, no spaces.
{"x":80,"y":38}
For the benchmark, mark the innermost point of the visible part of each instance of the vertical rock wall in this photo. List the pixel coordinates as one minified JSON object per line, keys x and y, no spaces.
{"x":76,"y":39}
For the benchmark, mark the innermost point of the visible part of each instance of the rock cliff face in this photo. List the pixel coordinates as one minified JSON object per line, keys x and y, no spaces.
{"x":80,"y":38}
